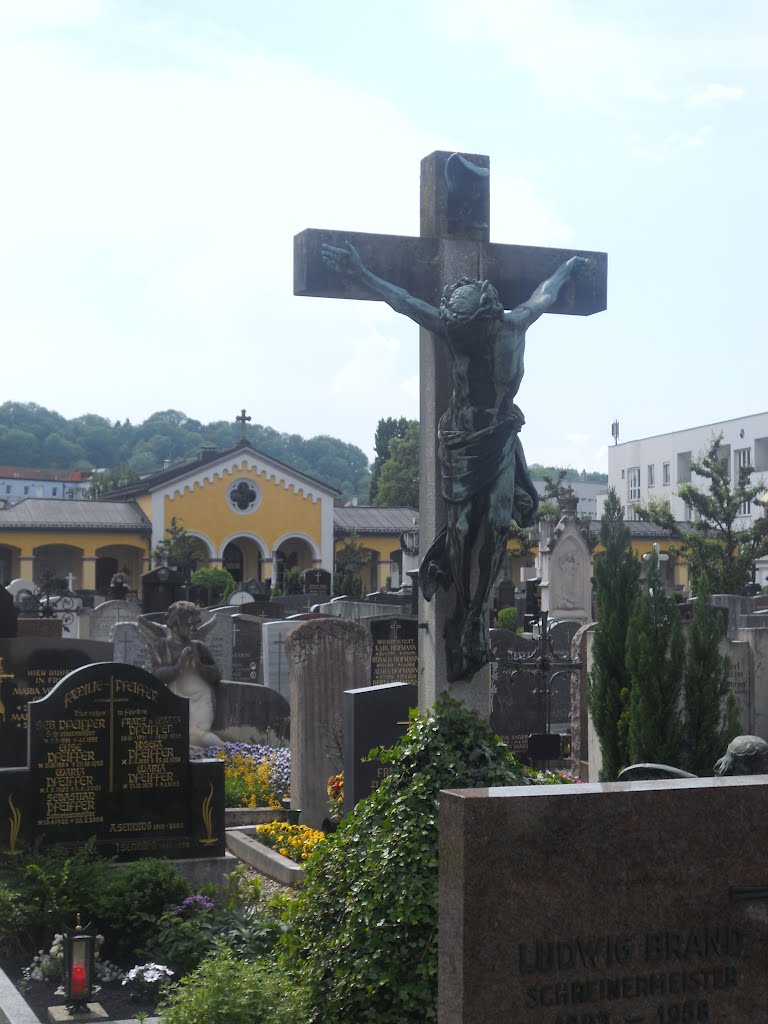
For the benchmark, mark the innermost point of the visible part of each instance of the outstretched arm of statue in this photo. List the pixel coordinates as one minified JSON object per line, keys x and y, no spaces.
{"x":347,"y":262}
{"x":545,"y":296}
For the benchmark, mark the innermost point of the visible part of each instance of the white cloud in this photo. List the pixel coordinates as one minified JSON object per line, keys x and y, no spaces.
{"x":714,"y":95}
{"x":672,"y":146}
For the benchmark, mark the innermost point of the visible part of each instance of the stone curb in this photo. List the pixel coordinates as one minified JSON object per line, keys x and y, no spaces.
{"x":241,"y":842}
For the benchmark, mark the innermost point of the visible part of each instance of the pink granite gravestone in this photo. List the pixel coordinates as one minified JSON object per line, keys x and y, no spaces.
{"x":633,"y":903}
{"x":326,"y":657}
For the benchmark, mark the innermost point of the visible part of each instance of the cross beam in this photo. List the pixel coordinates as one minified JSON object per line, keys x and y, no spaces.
{"x":412,"y":263}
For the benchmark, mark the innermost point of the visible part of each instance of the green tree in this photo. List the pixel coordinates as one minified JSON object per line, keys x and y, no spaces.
{"x":399,"y":478}
{"x":351,"y":559}
{"x":617,"y":572}
{"x":220,"y":582}
{"x":714,"y":543}
{"x":656,"y":661}
{"x":386,"y":430}
{"x":177,"y":548}
{"x":711,"y":714}
{"x":110,"y":480}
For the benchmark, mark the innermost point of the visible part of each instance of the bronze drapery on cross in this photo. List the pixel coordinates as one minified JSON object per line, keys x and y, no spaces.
{"x":474,"y":301}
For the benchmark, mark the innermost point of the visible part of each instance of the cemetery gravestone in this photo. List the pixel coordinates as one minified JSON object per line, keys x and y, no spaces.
{"x":277,"y":671}
{"x":106,"y":615}
{"x":374,"y":716}
{"x":129,"y":646}
{"x":317,"y":582}
{"x":29,"y":669}
{"x":246,"y":648}
{"x":160,"y":588}
{"x":246,"y":713}
{"x":626,"y":904}
{"x":327,"y":656}
{"x":395,"y":657}
{"x":8,"y":614}
{"x":108,"y":759}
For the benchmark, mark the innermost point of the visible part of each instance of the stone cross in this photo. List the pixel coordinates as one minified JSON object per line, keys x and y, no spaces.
{"x":242,"y":419}
{"x":453,"y":243}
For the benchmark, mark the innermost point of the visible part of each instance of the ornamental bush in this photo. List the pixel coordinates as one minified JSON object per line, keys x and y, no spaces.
{"x":364,"y":935}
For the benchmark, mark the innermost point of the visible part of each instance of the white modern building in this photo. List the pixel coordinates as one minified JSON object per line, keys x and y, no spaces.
{"x":654,"y":467}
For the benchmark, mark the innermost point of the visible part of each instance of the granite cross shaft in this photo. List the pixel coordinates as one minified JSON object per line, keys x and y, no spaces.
{"x":453,"y":243}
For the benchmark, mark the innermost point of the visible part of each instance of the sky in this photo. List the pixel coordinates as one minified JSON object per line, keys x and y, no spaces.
{"x":158,"y":156}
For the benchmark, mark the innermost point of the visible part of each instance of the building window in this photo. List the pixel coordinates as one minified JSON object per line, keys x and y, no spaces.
{"x":26,"y":489}
{"x":244,"y":496}
{"x":651,"y":476}
{"x":665,"y":474}
{"x":743,"y":459}
{"x":633,"y":484}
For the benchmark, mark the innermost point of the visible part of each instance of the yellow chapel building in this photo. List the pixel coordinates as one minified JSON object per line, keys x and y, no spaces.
{"x":246,"y":511}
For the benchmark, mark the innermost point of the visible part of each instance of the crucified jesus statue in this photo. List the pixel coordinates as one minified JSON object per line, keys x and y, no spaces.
{"x":485,"y":479}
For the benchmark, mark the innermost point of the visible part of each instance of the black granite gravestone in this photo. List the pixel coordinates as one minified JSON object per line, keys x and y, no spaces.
{"x":160,"y":588}
{"x":374,"y":716}
{"x":518,"y":707}
{"x":317,"y":582}
{"x":29,"y":668}
{"x":109,"y":761}
{"x":8,"y":614}
{"x":395,"y":650}
{"x":246,"y":648}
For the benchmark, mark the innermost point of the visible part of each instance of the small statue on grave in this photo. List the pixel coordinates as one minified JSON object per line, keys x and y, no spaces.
{"x":746,"y":755}
{"x":485,"y":479}
{"x":185,"y":664}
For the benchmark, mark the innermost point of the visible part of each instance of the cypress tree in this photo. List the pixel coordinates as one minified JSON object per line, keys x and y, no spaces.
{"x":711,"y":714}
{"x":617,"y":572}
{"x":656,"y":660}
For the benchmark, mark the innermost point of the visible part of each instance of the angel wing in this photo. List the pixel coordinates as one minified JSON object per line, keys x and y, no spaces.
{"x":153,"y":632}
{"x":204,"y":628}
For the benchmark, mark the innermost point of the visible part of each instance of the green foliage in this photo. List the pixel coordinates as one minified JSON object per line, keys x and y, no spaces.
{"x":220,"y":583}
{"x":539,"y":472}
{"x":617,"y":573}
{"x":130,"y":899}
{"x":14,"y":926}
{"x":714,"y":544}
{"x":711,"y":714}
{"x":292,"y":581}
{"x":507,"y":619}
{"x":226,"y":989}
{"x":351,"y":559}
{"x":364,"y":936}
{"x":655,"y":659}
{"x":110,"y":480}
{"x":32,"y":436}
{"x":386,"y":430}
{"x":53,"y":888}
{"x":177,"y":548}
{"x":398,"y":482}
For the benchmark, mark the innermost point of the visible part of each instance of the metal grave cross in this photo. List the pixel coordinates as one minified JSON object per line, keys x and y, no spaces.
{"x":453,"y":243}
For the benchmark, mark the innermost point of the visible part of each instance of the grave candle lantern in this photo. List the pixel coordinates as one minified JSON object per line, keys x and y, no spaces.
{"x":79,"y":950}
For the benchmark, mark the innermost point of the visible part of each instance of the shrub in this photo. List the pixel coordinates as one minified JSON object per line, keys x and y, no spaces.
{"x":227,"y":990}
{"x":507,"y":619}
{"x":364,"y":936}
{"x":132,"y":900}
{"x":220,"y":583}
{"x":13,"y":923}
